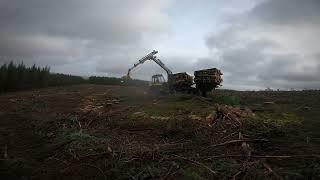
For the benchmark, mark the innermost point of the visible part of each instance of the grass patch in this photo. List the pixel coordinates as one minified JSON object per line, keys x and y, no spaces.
{"x":273,"y":124}
{"x":180,"y":127}
{"x":227,"y":167}
{"x":191,"y":174}
{"x":80,"y":140}
{"x":227,"y":99}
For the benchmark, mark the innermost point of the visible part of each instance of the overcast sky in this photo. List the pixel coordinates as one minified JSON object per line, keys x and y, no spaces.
{"x":256,"y":43}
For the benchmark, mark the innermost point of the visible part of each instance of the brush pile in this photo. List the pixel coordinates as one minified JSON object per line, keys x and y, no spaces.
{"x":228,"y":116}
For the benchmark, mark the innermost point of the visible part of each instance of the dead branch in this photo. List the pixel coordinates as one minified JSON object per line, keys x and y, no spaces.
{"x":57,"y":159}
{"x":96,"y":154}
{"x":89,"y":165}
{"x":202,"y":99}
{"x":239,"y":141}
{"x":292,"y":156}
{"x":230,"y":135}
{"x":197,"y":163}
{"x":89,"y":123}
{"x":57,"y":146}
{"x":168,"y":173}
{"x":271,"y":171}
{"x":264,"y":156}
{"x":5,"y":152}
{"x":235,"y":176}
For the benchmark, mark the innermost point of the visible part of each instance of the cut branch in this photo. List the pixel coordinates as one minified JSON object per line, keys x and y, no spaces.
{"x":196,"y":163}
{"x":239,"y":141}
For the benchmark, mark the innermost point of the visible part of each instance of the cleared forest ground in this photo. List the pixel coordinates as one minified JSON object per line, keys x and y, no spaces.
{"x":114,"y":132}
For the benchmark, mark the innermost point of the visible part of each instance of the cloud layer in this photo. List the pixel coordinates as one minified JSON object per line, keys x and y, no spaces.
{"x":61,"y":33}
{"x":272,"y":45}
{"x":256,"y":43}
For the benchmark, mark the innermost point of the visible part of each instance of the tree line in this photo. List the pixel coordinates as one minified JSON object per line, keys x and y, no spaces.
{"x":116,"y":81}
{"x":16,"y":77}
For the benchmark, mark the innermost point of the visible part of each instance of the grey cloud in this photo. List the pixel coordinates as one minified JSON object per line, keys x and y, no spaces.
{"x":32,"y":46}
{"x":204,"y":63}
{"x":257,"y":49}
{"x":222,"y":39}
{"x":283,"y":68}
{"x":78,"y":30}
{"x":287,"y":11}
{"x":107,"y":20}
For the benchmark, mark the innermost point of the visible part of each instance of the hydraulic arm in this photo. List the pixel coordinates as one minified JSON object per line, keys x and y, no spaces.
{"x":160,"y":63}
{"x":151,"y":56}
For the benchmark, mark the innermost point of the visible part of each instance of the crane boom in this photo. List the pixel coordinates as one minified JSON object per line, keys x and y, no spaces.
{"x":160,"y":63}
{"x":141,"y":61}
{"x":150,"y":56}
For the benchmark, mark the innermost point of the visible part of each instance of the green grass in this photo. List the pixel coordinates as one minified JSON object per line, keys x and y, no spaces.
{"x":273,"y":125}
{"x":192,"y":174}
{"x":79,"y":140}
{"x":227,"y":99}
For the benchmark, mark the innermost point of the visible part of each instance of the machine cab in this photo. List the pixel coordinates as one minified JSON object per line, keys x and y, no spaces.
{"x":157,"y":79}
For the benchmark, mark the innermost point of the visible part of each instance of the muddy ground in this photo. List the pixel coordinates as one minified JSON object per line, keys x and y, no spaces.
{"x":113,"y":132}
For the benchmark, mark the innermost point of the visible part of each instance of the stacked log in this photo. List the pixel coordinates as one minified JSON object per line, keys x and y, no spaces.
{"x":208,"y":79}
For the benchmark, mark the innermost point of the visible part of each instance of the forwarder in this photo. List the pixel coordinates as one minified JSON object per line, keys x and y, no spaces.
{"x":205,"y":80}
